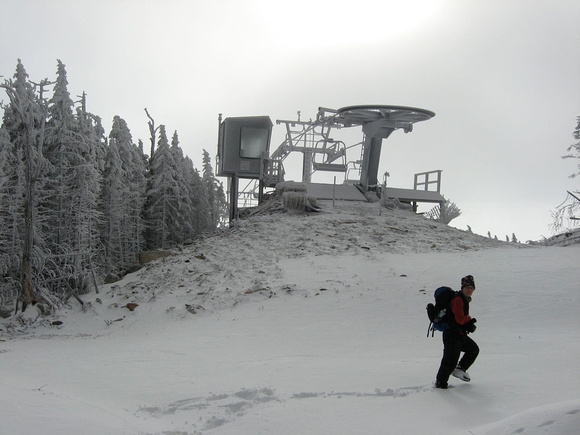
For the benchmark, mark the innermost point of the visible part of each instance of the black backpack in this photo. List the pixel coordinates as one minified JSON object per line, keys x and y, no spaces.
{"x":438,"y":313}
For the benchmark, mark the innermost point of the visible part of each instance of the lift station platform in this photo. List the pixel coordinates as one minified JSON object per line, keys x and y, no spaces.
{"x":244,"y":144}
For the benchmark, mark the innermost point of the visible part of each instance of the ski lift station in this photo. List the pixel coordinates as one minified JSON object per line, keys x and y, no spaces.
{"x":244,"y":155}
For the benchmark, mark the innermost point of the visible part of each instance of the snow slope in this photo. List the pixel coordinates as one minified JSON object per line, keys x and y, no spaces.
{"x":310,"y":324}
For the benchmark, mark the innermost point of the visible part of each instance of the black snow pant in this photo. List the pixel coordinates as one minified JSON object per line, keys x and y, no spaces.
{"x":453,"y":344}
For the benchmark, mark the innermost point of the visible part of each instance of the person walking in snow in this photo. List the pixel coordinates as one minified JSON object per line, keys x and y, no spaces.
{"x":456,"y":339}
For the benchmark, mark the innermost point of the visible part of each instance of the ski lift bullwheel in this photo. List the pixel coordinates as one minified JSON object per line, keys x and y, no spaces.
{"x":359,"y":115}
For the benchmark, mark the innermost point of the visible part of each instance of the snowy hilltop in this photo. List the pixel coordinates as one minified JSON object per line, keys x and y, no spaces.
{"x":226,"y":268}
{"x":310,"y":323}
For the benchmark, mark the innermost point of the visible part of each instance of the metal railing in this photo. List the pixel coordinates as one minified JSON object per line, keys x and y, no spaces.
{"x":425,"y":179}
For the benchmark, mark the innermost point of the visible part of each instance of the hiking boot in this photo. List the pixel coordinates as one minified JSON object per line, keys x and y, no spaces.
{"x":459,"y":373}
{"x":441,"y":385}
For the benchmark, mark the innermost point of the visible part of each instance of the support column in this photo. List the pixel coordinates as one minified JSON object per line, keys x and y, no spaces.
{"x":307,"y":166}
{"x":233,"y":197}
{"x":374,"y":132}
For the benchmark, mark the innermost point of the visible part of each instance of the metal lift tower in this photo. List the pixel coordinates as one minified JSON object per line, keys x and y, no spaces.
{"x":243,"y":146}
{"x":322,"y":153}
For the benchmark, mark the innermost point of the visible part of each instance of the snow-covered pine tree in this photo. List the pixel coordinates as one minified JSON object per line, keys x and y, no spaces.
{"x":222,"y":204}
{"x":112,"y":200}
{"x":58,"y":150}
{"x":215,"y":194}
{"x":210,"y":189}
{"x":73,"y":188}
{"x":201,"y":214}
{"x":162,"y":196}
{"x":92,"y":129}
{"x":92,"y":132}
{"x":133,"y":173}
{"x":183,"y":226}
{"x":87,"y":215}
{"x":24,"y":120}
{"x":11,"y":220}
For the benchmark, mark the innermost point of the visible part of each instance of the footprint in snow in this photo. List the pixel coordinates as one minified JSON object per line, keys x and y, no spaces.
{"x":214,"y":410}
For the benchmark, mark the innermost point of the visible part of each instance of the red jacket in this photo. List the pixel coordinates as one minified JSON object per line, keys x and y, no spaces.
{"x":460,"y":311}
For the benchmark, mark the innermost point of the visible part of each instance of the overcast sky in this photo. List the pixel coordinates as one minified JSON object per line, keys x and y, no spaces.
{"x":502,"y":76}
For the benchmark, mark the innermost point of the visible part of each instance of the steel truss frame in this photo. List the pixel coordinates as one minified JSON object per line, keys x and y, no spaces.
{"x":323,"y":153}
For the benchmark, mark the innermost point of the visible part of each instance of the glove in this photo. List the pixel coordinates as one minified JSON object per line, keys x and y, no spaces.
{"x":470,"y":326}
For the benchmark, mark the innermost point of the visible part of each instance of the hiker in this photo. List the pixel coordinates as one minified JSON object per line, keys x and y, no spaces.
{"x":456,"y":339}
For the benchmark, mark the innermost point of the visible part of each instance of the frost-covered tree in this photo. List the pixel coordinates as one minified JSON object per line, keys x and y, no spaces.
{"x":124,"y":204}
{"x":201,"y":207}
{"x":73,"y":201}
{"x":162,"y":196}
{"x":11,"y":219}
{"x":214,"y":193}
{"x":73,"y":187}
{"x":24,"y":120}
{"x":182,"y":229}
{"x":566,"y":214}
{"x":92,"y":130}
{"x":93,"y":133}
{"x":59,"y":152}
{"x":222,"y":205}
{"x":113,"y":193}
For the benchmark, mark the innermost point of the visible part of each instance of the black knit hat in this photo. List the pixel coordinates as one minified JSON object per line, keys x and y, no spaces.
{"x":468,"y":281}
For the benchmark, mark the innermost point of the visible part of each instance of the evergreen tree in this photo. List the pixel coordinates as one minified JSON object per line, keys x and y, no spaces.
{"x":71,"y":198}
{"x":24,"y":120}
{"x":59,"y":152}
{"x":183,"y":228}
{"x":93,"y":133}
{"x":122,"y":199}
{"x":209,"y":183}
{"x":74,"y":189}
{"x":11,"y":219}
{"x":92,"y":130}
{"x":201,"y":216}
{"x":215,"y":194}
{"x":113,"y":194}
{"x":162,"y":196}
{"x":134,"y":177}
{"x":222,"y":206}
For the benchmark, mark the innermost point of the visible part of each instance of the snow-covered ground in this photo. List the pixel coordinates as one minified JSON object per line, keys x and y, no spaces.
{"x":306,"y":324}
